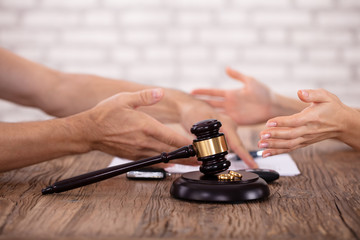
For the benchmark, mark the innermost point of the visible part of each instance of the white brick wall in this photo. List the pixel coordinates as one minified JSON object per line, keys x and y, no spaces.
{"x":287,"y":44}
{"x":351,"y":55}
{"x":98,"y":18}
{"x":337,"y":19}
{"x":49,"y":19}
{"x":289,"y":18}
{"x":311,"y":4}
{"x":7,"y":18}
{"x":18,"y":4}
{"x":144,"y":18}
{"x":68,"y":4}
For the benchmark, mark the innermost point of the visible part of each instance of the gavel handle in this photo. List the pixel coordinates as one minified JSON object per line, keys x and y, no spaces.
{"x":102,"y":174}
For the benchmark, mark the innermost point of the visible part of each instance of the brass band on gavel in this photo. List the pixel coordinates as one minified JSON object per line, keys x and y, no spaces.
{"x":211,"y":146}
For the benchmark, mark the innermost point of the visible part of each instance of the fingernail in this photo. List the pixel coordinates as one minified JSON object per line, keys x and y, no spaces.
{"x":263,"y":145}
{"x":304,"y":93}
{"x":271,"y":124}
{"x":265,"y":136}
{"x":157,"y":93}
{"x":266,"y":155}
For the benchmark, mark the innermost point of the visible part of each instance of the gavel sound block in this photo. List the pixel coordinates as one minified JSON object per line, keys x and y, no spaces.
{"x":211,"y":148}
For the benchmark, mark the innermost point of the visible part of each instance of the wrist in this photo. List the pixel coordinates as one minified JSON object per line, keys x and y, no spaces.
{"x":168,"y":110}
{"x":190,"y":106}
{"x":81,"y":132}
{"x":350,"y":128}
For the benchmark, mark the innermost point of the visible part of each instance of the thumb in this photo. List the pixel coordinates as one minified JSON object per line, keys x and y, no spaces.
{"x":145,"y":97}
{"x":236,"y":75}
{"x":318,"y":95}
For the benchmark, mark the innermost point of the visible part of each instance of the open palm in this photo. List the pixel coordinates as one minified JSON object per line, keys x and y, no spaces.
{"x":250,"y":104}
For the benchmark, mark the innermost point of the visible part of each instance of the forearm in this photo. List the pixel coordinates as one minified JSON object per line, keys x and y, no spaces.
{"x":24,"y":144}
{"x":59,"y":94}
{"x":25,"y":82}
{"x":64,"y":94}
{"x":80,"y":92}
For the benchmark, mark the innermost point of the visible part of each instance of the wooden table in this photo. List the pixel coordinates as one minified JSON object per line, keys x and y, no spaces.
{"x":321,"y":203}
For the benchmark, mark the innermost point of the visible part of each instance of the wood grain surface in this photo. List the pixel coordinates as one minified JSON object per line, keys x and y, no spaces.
{"x":321,"y":203}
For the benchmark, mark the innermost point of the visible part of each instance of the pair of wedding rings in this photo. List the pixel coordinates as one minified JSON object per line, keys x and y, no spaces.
{"x":232,"y":175}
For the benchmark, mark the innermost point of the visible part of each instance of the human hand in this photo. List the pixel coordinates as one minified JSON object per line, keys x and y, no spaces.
{"x":250,"y":104}
{"x":326,"y":117}
{"x":116,"y":127}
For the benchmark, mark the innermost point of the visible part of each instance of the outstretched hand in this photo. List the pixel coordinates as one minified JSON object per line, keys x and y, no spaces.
{"x":250,"y":104}
{"x":116,"y":127}
{"x":326,"y":117}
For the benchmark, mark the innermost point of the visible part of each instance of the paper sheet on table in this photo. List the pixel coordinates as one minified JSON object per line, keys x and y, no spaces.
{"x":282,"y":163}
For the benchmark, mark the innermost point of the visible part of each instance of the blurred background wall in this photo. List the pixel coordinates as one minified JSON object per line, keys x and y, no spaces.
{"x":186,"y":44}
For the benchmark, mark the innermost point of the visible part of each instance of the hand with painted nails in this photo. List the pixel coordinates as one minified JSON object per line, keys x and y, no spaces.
{"x":326,"y":117}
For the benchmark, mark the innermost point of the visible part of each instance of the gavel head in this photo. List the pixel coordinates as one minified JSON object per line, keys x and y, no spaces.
{"x":210,"y":146}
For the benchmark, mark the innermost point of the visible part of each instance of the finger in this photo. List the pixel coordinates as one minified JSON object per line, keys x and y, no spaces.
{"x":281,"y":143}
{"x":283,"y":133}
{"x":134,"y":153}
{"x":272,"y":152}
{"x":306,"y":140}
{"x":144,"y":148}
{"x":295,"y":120}
{"x":156,"y":146}
{"x":236,"y":75}
{"x":145,"y":97}
{"x":237,"y":146}
{"x":318,"y":95}
{"x":209,"y":92}
{"x":167,"y":135}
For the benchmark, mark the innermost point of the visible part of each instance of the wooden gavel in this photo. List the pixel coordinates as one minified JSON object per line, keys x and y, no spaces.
{"x":210,"y":147}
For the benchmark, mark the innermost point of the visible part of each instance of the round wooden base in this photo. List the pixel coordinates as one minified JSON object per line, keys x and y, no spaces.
{"x":198,"y":187}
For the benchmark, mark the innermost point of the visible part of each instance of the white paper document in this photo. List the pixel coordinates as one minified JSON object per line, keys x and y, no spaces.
{"x":282,"y":163}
